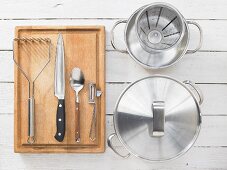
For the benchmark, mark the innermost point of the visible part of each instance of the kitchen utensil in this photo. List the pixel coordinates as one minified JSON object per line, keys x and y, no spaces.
{"x":84,"y":47}
{"x":93,"y":93}
{"x":28,"y":42}
{"x":59,"y":89}
{"x":91,"y":100}
{"x":77,"y":83}
{"x":157,"y":118}
{"x":157,"y":36}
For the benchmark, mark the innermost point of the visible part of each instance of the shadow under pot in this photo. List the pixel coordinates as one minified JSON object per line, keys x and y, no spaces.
{"x":156,"y":36}
{"x":157,"y":118}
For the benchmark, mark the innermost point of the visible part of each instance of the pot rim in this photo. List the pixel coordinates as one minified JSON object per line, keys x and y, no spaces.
{"x":169,"y":6}
{"x":145,"y":65}
{"x":186,"y":149}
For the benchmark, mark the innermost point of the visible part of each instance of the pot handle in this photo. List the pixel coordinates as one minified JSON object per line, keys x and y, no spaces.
{"x":110,"y":144}
{"x":112,"y":36}
{"x":200,"y":39}
{"x":196,"y":88}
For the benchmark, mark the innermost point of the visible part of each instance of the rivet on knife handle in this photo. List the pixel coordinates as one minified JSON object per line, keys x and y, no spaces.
{"x":59,"y":89}
{"x":60,"y":119}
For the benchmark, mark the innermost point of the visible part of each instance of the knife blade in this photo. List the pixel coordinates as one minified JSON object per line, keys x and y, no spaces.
{"x":59,"y":89}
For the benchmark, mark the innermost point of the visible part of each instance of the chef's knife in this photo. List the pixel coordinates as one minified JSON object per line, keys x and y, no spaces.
{"x":60,"y":89}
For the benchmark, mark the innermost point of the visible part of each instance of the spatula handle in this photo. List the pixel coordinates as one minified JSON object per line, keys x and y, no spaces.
{"x":77,"y":122}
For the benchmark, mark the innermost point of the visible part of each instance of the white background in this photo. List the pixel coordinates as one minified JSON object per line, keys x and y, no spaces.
{"x":208,"y":68}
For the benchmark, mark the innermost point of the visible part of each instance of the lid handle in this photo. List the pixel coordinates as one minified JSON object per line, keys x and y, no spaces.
{"x":158,"y":118}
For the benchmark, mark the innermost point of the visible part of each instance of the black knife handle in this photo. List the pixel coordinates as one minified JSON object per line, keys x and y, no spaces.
{"x":60,"y":121}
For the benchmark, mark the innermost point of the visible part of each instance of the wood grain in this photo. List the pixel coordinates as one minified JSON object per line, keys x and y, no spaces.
{"x":208,"y":67}
{"x":214,"y":103}
{"x":84,"y":48}
{"x":121,"y":68}
{"x":200,"y":67}
{"x":209,"y":152}
{"x":211,"y":134}
{"x":210,"y":43}
{"x":108,"y":9}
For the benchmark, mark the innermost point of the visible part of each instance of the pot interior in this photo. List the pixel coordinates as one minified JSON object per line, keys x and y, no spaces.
{"x":154,"y":60}
{"x":159,"y":26}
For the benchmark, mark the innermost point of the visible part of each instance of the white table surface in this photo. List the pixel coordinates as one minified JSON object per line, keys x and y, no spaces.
{"x":208,"y":68}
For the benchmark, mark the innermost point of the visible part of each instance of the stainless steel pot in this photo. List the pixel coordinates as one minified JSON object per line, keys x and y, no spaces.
{"x":157,"y":118}
{"x":156,"y":35}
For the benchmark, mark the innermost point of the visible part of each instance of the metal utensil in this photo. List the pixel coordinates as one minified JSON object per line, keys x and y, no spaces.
{"x":59,"y":88}
{"x":93,"y":93}
{"x":91,"y":100}
{"x":28,"y":41}
{"x":77,"y":83}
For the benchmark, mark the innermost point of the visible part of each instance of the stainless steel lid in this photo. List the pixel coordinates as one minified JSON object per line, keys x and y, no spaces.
{"x":157,"y":118}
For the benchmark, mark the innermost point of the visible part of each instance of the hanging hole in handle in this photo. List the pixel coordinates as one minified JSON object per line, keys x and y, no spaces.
{"x":110,"y":144}
{"x":31,"y":140}
{"x":200,"y":38}
{"x":197,"y":90}
{"x":112,"y":36}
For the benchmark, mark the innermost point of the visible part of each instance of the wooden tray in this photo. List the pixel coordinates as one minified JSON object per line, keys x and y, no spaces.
{"x":84,"y":48}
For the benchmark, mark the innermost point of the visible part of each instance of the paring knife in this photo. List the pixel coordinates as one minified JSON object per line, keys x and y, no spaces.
{"x":60,"y":89}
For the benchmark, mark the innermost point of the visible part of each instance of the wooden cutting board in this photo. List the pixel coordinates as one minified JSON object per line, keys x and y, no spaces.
{"x":84,"y":48}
